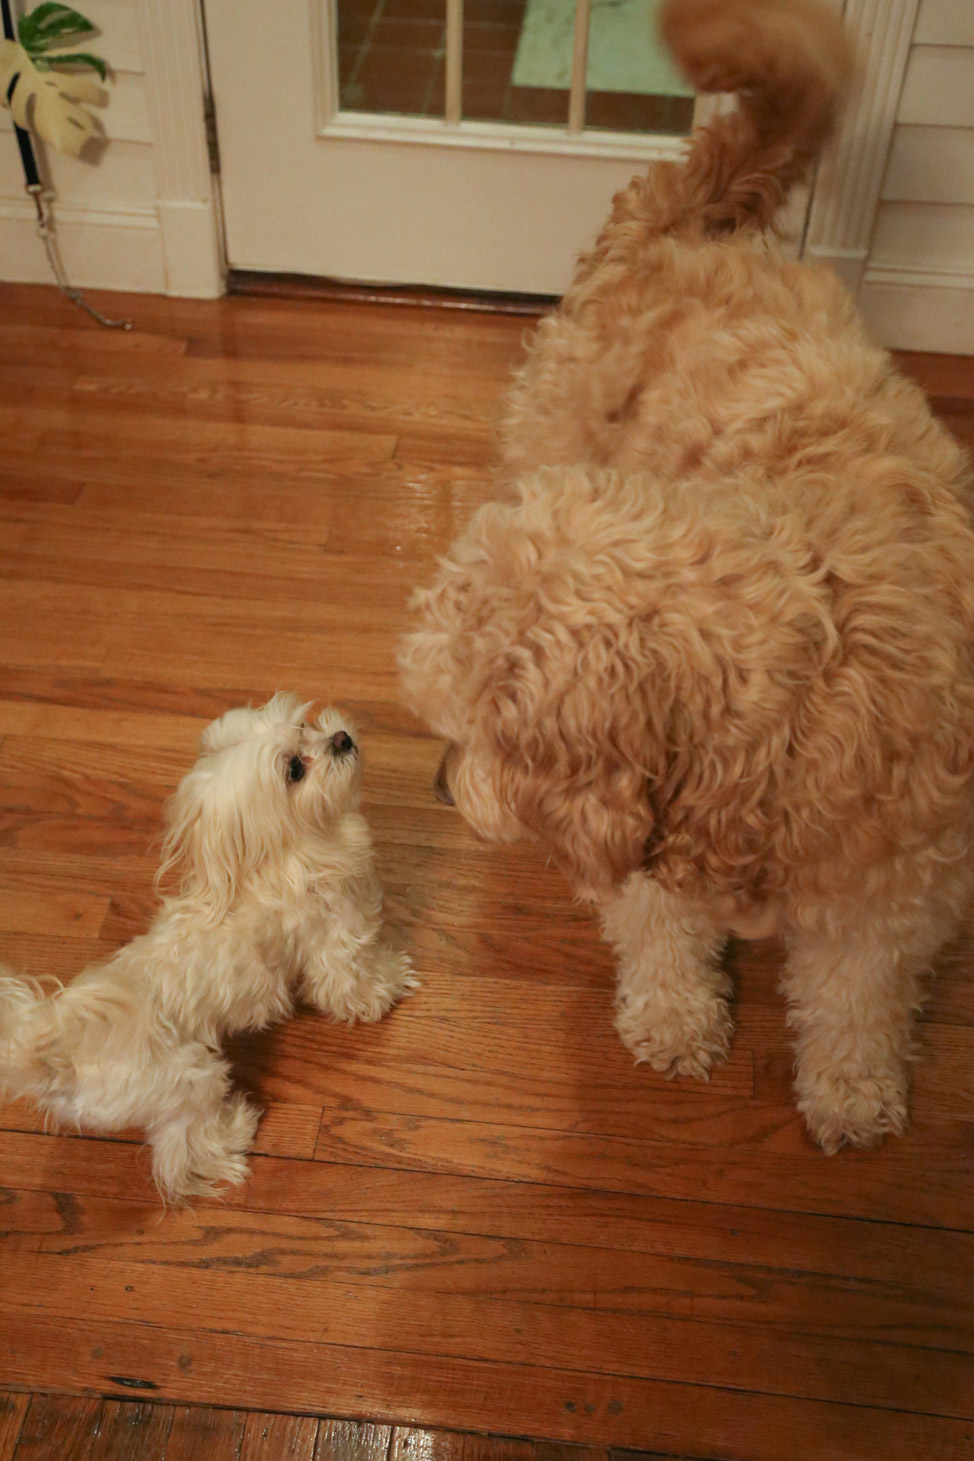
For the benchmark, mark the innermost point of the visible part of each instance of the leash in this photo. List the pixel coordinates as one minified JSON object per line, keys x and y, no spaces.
{"x":35,"y":189}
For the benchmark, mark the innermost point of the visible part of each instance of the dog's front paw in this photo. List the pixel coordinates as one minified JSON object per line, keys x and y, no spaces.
{"x":676,"y":1041}
{"x":377,"y":987}
{"x":853,"y":1110}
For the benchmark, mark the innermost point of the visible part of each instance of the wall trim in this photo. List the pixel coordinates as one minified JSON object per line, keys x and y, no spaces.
{"x":171,"y":37}
{"x":919,"y":309}
{"x":99,"y":248}
{"x":850,"y":177}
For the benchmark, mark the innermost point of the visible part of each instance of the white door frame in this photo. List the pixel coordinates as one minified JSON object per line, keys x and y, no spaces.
{"x":171,"y":38}
{"x":843,"y":213}
{"x":840,"y":222}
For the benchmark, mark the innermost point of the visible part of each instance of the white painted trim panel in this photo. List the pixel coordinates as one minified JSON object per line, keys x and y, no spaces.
{"x":931,"y":165}
{"x":170,"y":33}
{"x":938,"y":89}
{"x":100,"y":249}
{"x":910,"y":309}
{"x":851,"y":173}
{"x":945,"y":23}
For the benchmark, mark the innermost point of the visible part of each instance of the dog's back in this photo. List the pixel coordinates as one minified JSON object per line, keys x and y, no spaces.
{"x":687,"y":341}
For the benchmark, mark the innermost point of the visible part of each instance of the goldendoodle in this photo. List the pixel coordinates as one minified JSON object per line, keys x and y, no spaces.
{"x":715,"y":648}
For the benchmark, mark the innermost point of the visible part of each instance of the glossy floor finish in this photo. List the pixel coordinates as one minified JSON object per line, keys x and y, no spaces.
{"x":477,"y":1215}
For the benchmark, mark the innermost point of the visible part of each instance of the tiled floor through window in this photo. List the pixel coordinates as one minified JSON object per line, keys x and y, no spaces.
{"x":391,"y":59}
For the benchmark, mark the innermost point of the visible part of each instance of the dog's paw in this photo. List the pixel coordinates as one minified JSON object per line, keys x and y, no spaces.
{"x":378,"y":987}
{"x":677,"y":1042}
{"x":856,"y":1111}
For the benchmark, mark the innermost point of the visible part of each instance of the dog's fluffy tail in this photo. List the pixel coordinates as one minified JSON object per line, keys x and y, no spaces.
{"x":789,"y":61}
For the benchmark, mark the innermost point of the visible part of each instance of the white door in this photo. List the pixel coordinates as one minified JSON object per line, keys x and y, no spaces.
{"x":465,"y":143}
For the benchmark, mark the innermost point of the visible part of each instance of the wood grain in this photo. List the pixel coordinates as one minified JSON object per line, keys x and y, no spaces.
{"x":13,"y":1408}
{"x":58,"y":1425}
{"x":477,"y":1219}
{"x":131,"y":1430}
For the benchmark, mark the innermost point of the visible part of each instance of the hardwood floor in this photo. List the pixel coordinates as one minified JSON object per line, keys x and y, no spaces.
{"x":477,"y":1215}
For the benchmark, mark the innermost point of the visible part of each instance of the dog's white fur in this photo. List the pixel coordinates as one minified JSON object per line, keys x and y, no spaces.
{"x":716,"y":649}
{"x":277,"y":900}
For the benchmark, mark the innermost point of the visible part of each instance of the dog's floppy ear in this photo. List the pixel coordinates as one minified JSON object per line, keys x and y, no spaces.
{"x":575,"y":752}
{"x":217,"y":836}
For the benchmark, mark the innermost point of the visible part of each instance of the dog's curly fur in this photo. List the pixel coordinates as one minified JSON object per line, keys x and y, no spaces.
{"x":277,"y":899}
{"x":717,"y":650}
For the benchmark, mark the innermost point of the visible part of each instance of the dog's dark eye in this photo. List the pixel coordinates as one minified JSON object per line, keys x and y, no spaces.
{"x":295,"y":769}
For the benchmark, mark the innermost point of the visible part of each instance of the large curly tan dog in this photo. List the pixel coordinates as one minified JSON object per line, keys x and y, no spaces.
{"x":715,"y":650}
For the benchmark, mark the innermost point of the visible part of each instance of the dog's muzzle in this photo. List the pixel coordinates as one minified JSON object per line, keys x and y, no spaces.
{"x":441,"y":785}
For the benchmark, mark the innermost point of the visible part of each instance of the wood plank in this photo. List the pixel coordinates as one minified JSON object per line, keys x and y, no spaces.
{"x":130,"y":1430}
{"x":57,"y":1425}
{"x":923,"y":1177}
{"x":352,"y":1440}
{"x":696,"y":1229}
{"x":37,"y":902}
{"x":275,"y":451}
{"x":938,"y":375}
{"x":279,"y":1438}
{"x":77,"y":699}
{"x":37,"y":954}
{"x":83,"y":341}
{"x":463,"y":1394}
{"x":199,"y":1434}
{"x":13,"y":1408}
{"x":285,"y":1130}
{"x":646,"y":1314}
{"x":409,"y":1443}
{"x":189,"y":554}
{"x":319,"y":397}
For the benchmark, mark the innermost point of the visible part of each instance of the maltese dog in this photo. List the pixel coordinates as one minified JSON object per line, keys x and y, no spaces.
{"x":277,"y":899}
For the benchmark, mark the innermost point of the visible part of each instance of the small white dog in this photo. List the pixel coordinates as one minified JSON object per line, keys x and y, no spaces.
{"x":277,"y":898}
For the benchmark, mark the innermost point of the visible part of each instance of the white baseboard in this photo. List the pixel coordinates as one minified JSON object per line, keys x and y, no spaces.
{"x":919,"y":309}
{"x":170,"y":250}
{"x":190,"y":245}
{"x":100,"y":249}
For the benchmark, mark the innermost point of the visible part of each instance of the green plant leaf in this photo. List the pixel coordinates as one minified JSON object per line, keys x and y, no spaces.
{"x":72,"y":58}
{"x":51,"y":24}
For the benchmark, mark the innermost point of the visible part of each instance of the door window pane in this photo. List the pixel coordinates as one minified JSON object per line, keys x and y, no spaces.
{"x":517,"y":57}
{"x":391,"y":57}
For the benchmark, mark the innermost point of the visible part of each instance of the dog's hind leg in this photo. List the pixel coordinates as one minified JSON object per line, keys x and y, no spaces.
{"x":203,"y":1139}
{"x":671,"y":1005}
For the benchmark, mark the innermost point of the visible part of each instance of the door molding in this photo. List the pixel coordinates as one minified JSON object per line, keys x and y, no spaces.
{"x":850,"y":177}
{"x":171,"y":35}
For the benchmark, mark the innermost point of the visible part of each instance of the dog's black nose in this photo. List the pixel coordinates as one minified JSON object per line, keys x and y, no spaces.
{"x":342,"y":743}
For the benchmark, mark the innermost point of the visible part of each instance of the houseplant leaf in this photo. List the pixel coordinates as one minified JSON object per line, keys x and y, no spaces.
{"x":51,"y":24}
{"x":71,"y":58}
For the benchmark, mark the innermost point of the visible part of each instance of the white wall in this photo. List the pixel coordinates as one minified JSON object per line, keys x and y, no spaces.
{"x":140,"y":213}
{"x":918,"y":290}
